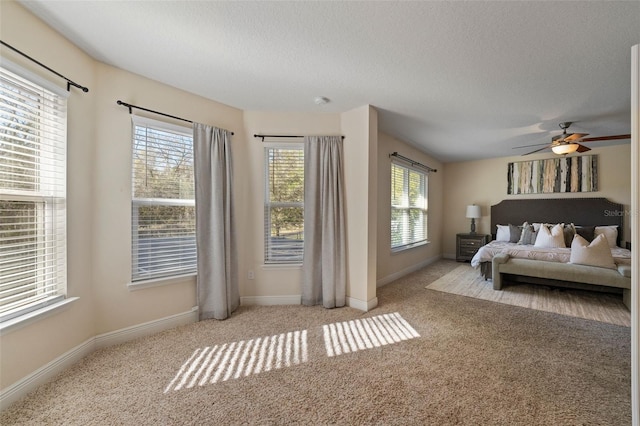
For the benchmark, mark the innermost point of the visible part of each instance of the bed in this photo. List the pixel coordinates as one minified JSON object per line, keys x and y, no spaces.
{"x":582,"y":212}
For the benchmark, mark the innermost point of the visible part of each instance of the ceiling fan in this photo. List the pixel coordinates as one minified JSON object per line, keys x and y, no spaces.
{"x":567,"y":143}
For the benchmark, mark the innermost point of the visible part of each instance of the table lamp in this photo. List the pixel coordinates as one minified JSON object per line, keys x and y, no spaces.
{"x":473,"y":213}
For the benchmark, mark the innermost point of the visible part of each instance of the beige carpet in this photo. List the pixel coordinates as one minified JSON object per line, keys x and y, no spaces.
{"x":466,"y":281}
{"x":420,"y":358}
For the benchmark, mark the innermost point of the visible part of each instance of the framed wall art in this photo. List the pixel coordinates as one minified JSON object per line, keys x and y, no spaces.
{"x":560,"y":174}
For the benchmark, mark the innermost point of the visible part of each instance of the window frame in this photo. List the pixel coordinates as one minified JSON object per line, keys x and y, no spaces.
{"x":424,"y":175}
{"x":268,"y":204}
{"x":138,"y":279}
{"x":49,"y":197}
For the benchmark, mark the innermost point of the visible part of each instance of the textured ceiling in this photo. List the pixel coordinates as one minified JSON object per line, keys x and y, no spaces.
{"x":459,"y":80}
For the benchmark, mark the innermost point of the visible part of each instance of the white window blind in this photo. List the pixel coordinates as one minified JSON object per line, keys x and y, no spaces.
{"x":163,"y":235}
{"x":33,"y":137}
{"x":284,"y":204}
{"x":408,"y":207}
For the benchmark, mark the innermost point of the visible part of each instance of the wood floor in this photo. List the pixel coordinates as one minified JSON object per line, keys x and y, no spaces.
{"x":604,"y":307}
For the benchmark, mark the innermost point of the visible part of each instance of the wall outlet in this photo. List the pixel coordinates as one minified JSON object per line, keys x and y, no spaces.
{"x":251,"y":275}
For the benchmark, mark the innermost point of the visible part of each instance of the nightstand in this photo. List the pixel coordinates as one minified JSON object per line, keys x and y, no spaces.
{"x":467,"y":245}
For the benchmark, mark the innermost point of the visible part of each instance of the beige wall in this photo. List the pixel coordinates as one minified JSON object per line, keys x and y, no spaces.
{"x":28,"y":348}
{"x":360,"y":128}
{"x":484,"y":182}
{"x":117,"y":306}
{"x":393,"y":265}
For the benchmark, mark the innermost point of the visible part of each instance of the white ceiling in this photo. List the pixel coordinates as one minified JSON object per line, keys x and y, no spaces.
{"x":459,"y":80}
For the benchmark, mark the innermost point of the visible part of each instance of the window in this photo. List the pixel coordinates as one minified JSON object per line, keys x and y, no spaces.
{"x":163,"y":231}
{"x":408,"y":207}
{"x":33,"y":137}
{"x":284,"y":204}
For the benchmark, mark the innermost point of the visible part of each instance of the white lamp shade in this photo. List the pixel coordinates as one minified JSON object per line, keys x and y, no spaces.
{"x":566,"y":148}
{"x":473,"y":212}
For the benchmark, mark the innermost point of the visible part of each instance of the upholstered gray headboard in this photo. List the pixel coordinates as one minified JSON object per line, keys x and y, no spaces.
{"x":579,"y":211}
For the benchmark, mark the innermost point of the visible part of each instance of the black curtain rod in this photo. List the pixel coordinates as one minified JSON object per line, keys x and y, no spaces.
{"x":69,"y":82}
{"x":413,"y":163}
{"x":280,"y":136}
{"x":124,"y":104}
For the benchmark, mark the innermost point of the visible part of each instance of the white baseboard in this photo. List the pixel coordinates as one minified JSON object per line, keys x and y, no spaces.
{"x":45,"y":373}
{"x":396,"y":275}
{"x":293,"y":299}
{"x":451,"y":256}
{"x":145,"y":329}
{"x":296,"y":299}
{"x":361,"y":304}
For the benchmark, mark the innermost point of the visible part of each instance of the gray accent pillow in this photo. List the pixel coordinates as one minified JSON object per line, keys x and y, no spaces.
{"x":514,"y":233}
{"x":569,"y":231}
{"x":528,"y":235}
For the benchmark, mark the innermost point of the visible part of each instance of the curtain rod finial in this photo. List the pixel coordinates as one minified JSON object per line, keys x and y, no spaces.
{"x":119,"y":102}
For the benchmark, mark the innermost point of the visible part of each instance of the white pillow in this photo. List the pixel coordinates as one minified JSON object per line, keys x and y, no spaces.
{"x":610,"y":232}
{"x":598,"y":253}
{"x":503,"y":233}
{"x":553,"y":238}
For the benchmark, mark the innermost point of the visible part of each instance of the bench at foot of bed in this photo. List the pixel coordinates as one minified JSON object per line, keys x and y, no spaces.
{"x":562,"y":274}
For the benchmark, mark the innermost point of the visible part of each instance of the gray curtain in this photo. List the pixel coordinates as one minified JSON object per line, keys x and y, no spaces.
{"x":218,"y":294}
{"x":324,"y":273}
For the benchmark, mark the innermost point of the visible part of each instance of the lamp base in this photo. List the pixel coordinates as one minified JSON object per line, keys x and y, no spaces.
{"x":473,"y":226}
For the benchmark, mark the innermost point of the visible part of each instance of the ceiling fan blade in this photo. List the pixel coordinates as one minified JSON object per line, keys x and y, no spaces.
{"x":582,"y":148}
{"x":575,"y":136}
{"x":529,"y":146}
{"x":605,"y":138}
{"x":538,"y":150}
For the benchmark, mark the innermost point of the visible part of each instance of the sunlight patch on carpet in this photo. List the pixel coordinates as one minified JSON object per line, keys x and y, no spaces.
{"x":243,"y":358}
{"x":367,"y":333}
{"x":240,"y":359}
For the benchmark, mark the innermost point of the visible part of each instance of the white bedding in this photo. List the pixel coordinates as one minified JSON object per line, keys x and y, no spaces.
{"x":485,"y":254}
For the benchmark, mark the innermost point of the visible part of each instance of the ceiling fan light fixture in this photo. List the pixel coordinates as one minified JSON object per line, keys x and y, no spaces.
{"x":568,"y":143}
{"x":564,"y":149}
